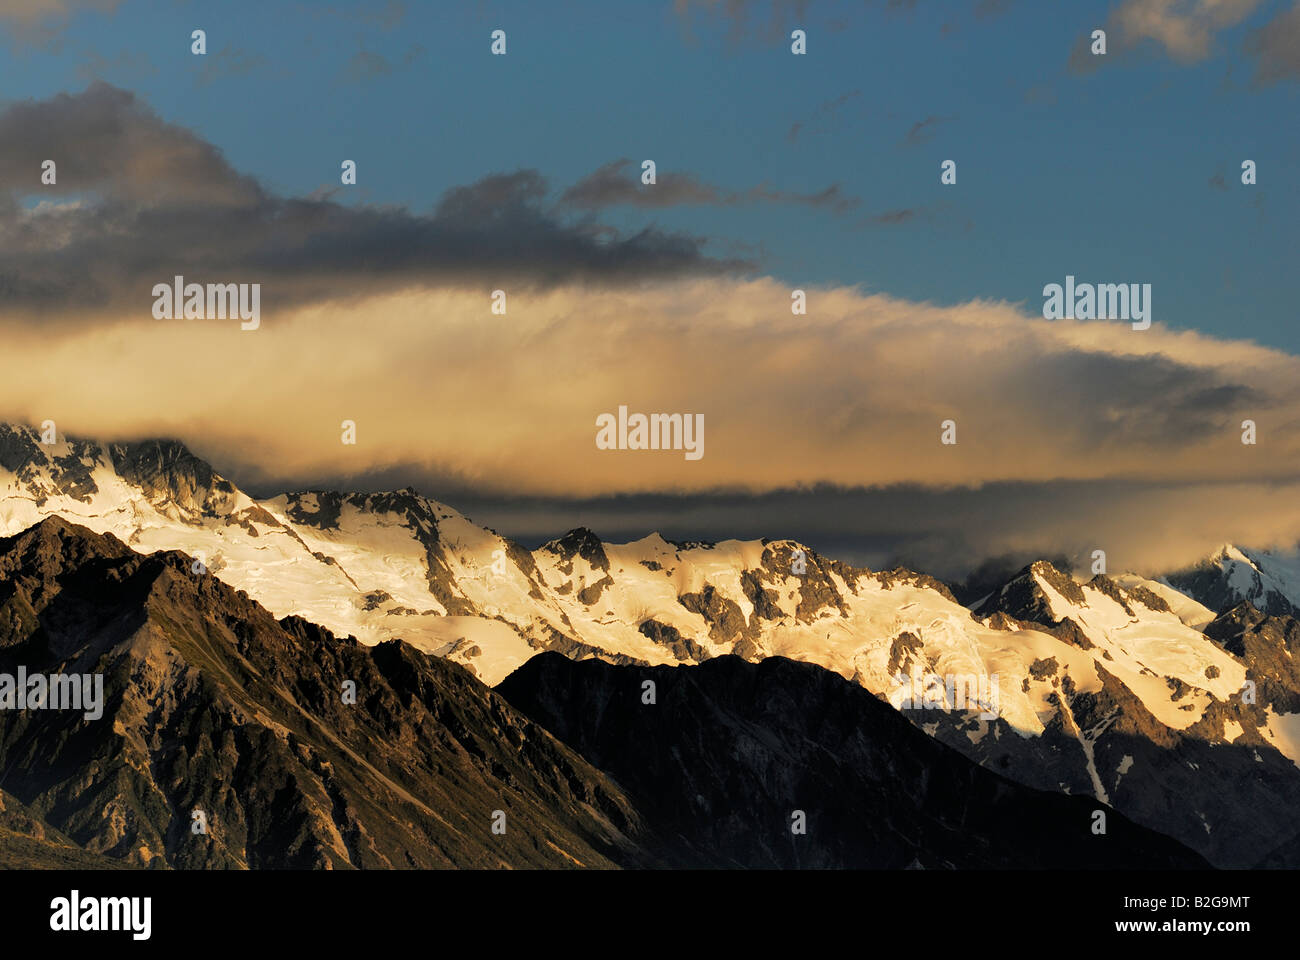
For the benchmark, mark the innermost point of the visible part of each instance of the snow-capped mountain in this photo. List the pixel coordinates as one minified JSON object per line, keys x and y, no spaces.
{"x":1171,"y":719}
{"x":210,"y":703}
{"x":1110,"y":688}
{"x":1268,"y":580}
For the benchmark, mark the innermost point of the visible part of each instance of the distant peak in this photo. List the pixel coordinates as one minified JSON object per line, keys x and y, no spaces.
{"x":1230,"y":552}
{"x":581,"y":542}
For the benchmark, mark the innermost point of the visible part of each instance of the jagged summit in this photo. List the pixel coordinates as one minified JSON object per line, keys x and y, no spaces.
{"x":79,"y":470}
{"x":1269,"y":580}
{"x":580,"y":542}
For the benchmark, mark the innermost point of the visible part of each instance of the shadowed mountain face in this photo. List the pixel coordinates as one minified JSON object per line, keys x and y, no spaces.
{"x":730,"y":750}
{"x":28,"y":843}
{"x":1195,"y":743}
{"x":210,"y":704}
{"x":1269,"y":582}
{"x":213,"y":705}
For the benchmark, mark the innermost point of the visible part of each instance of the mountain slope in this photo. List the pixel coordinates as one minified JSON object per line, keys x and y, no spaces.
{"x":1149,"y":714}
{"x":211,"y":704}
{"x":730,"y":750}
{"x":29,"y":843}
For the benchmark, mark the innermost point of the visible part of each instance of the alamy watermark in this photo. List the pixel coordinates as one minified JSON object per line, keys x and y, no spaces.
{"x":655,"y":431}
{"x":57,"y":691}
{"x":75,"y":913}
{"x":1102,"y":301}
{"x":213,"y":301}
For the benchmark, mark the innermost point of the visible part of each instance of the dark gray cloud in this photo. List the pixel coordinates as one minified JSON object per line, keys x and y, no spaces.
{"x":618,"y":183}
{"x":1118,"y":389}
{"x":139,"y":200}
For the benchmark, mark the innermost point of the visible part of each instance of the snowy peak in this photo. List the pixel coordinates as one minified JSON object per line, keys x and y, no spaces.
{"x":322,"y":509}
{"x":580,"y":542}
{"x":163,"y":472}
{"x":176,"y":482}
{"x":1137,"y":650}
{"x":1039,"y":592}
{"x":1269,"y":581}
{"x":1043,"y":594}
{"x":62,"y":469}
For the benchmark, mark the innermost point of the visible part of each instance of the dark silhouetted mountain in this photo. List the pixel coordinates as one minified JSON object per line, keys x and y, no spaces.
{"x":730,"y":750}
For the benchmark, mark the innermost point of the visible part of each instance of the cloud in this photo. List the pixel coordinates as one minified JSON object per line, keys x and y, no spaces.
{"x":892,"y":217}
{"x":40,"y":24}
{"x":1183,"y":29}
{"x":923,"y":130}
{"x":155,"y":200}
{"x":1276,"y":48}
{"x":29,"y":12}
{"x":366,"y":64}
{"x":615,"y":185}
{"x":1067,"y":431}
{"x":825,"y":113}
{"x":945,"y":531}
{"x":826,"y":426}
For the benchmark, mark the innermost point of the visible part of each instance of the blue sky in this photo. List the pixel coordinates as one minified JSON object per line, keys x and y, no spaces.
{"x":1104,"y":174}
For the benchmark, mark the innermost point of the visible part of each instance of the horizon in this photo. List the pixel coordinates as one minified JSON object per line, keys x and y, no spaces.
{"x":987,"y":570}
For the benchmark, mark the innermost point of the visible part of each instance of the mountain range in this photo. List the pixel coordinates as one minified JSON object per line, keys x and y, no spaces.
{"x":226,"y":625}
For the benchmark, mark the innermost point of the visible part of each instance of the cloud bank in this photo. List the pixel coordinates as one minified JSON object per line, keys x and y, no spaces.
{"x":852,"y":395}
{"x":825,"y":426}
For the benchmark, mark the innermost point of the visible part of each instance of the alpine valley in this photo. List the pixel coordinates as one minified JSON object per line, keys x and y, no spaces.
{"x":494,"y":679}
